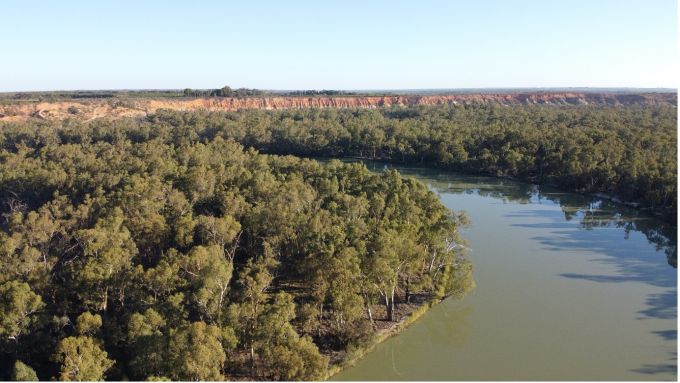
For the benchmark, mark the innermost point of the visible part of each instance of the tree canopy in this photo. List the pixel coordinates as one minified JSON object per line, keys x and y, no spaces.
{"x":144,"y":250}
{"x":626,"y":152}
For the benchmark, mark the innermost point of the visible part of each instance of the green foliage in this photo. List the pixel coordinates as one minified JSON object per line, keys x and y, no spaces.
{"x":164,"y":249}
{"x":118,"y":95}
{"x":88,"y":324}
{"x":627,"y":152}
{"x":23,"y":373}
{"x":209,"y":274}
{"x":18,"y":303}
{"x":107,"y":253}
{"x":197,"y":352}
{"x":286,"y":355}
{"x":81,"y":358}
{"x":147,"y":344}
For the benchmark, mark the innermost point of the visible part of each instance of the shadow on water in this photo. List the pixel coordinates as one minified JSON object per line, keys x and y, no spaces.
{"x":662,"y":306}
{"x":664,"y":368}
{"x":631,"y":263}
{"x":667,"y":334}
{"x":588,"y":211}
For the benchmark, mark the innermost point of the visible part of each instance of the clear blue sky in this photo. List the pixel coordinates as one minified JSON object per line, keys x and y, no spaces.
{"x":49,"y":45}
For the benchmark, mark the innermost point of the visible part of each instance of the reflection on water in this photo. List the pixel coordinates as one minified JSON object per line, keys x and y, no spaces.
{"x":590,"y":211}
{"x":570,"y":287}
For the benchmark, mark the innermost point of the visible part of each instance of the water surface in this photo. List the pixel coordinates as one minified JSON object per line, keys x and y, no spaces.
{"x":568,"y":288}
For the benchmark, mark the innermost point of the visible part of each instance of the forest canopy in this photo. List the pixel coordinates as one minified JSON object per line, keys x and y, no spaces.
{"x":142,"y":250}
{"x":628,"y":153}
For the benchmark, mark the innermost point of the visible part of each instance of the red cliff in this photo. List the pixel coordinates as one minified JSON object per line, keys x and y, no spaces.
{"x":91,"y":109}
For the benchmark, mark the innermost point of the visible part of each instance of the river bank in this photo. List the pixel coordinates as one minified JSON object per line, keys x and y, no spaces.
{"x":409,"y":314}
{"x":663,"y":213}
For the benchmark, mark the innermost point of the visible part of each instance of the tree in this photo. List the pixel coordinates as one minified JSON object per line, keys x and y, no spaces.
{"x":209,"y":274}
{"x":151,"y":239}
{"x":108,"y":250}
{"x":81,"y":358}
{"x":33,"y":235}
{"x":284,"y":354}
{"x":148,"y":344}
{"x":225,"y":91}
{"x":88,"y":324}
{"x":197,"y":352}
{"x":23,"y":373}
{"x":345,"y":288}
{"x":219,"y":231}
{"x":296,"y":359}
{"x":390,"y":255}
{"x":253,"y":282}
{"x":17,"y":306}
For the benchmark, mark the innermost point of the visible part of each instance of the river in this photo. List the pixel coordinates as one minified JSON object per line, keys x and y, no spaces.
{"x":569,"y":287}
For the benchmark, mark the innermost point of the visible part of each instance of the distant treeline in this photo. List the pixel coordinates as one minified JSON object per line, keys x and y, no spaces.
{"x":321,"y":93}
{"x":53,"y":96}
{"x":225,"y":91}
{"x":246,"y":92}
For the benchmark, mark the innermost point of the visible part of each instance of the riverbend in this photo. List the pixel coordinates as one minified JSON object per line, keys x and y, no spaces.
{"x":569,"y":287}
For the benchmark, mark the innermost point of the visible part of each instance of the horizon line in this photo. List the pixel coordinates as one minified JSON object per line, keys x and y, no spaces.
{"x":499,"y":88}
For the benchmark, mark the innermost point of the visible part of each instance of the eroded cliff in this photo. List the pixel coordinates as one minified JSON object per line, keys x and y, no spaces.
{"x":91,"y":109}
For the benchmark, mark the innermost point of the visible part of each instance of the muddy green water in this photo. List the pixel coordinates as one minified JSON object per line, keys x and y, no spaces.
{"x":568,"y":288}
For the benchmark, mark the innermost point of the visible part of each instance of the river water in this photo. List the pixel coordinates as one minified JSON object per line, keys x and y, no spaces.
{"x":568,"y":288}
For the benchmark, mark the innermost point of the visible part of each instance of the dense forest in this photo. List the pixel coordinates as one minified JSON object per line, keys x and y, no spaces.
{"x":138,"y":250}
{"x":191,"y":245}
{"x":626,"y":152}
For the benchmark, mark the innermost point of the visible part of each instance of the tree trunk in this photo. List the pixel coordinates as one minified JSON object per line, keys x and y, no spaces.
{"x":392,"y":307}
{"x":318,"y":329}
{"x":252,"y":360}
{"x":370,"y":313}
{"x":389,"y":305}
{"x":368,"y":308}
{"x":105,"y":303}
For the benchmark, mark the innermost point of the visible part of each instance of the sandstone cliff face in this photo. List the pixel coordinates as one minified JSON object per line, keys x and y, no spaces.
{"x":91,"y":109}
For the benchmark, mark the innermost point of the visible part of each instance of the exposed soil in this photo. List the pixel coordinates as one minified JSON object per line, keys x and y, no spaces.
{"x":90,"y":109}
